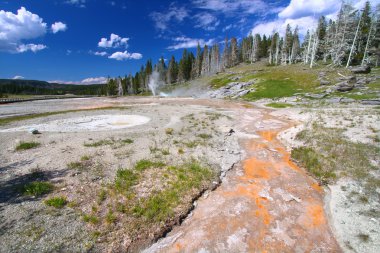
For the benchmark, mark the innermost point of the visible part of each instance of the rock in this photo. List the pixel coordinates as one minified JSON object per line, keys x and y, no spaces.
{"x":344,"y":86}
{"x":349,"y":79}
{"x":318,"y":96}
{"x":347,"y":100}
{"x":33,"y":131}
{"x":322,"y":74}
{"x":230,"y":132}
{"x":361,"y":69}
{"x":370,"y":101}
{"x":324,"y":82}
{"x":235,"y":78}
{"x":361,"y":81}
{"x":334,"y":100}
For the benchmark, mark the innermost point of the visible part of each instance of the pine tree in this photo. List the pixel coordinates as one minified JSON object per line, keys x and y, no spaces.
{"x":287,"y":45}
{"x":295,"y":47}
{"x":171,"y":75}
{"x":197,"y":66}
{"x":182,"y":67}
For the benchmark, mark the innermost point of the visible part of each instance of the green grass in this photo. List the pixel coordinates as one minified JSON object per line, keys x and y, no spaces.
{"x":125,"y":179}
{"x":90,"y":218}
{"x":57,"y":202}
{"x":204,"y":136}
{"x":99,"y":143}
{"x":75,"y":166}
{"x":37,"y":188}
{"x":107,"y":142}
{"x":146,"y":164}
{"x":85,"y":158}
{"x":279,"y":105}
{"x":102,"y":196}
{"x":169,"y":131}
{"x":217,"y":83}
{"x":310,"y":159}
{"x":126,"y":141}
{"x":273,"y":89}
{"x":328,"y":154}
{"x":160,"y":206}
{"x":110,"y":217}
{"x":27,"y":145}
{"x":4,"y":121}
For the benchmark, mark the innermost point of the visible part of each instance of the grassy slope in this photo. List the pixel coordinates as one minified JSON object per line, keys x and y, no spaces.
{"x":286,"y":81}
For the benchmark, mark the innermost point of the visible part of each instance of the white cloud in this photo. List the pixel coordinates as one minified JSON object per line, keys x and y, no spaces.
{"x":230,"y":6}
{"x":58,"y":27}
{"x":87,"y":81}
{"x":301,"y":8}
{"x":115,"y":41}
{"x":94,"y":80}
{"x":162,"y":19}
{"x":206,"y":21}
{"x":279,"y":25}
{"x":119,"y":56}
{"x":184,"y":42}
{"x":100,"y":53}
{"x":305,"y":14}
{"x":18,"y":77}
{"x":15,"y":28}
{"x":30,"y":47}
{"x":79,"y":3}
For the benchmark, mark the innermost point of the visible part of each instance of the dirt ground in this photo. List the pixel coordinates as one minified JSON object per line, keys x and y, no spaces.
{"x":265,"y":202}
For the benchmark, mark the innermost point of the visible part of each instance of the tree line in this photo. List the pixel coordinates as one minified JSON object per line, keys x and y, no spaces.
{"x":352,"y":39}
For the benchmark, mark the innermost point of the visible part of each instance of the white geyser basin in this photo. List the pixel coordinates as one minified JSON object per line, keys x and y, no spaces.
{"x":86,"y":123}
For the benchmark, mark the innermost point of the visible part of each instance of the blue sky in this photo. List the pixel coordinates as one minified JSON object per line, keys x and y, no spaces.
{"x":84,"y":41}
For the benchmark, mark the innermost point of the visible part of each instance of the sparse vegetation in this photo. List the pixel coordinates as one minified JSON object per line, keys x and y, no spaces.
{"x":328,"y":154}
{"x":99,"y":143}
{"x":90,"y":218}
{"x":125,"y":179}
{"x":279,"y":105}
{"x":169,"y":131}
{"x":204,"y":136}
{"x":145,"y":164}
{"x":37,"y":188}
{"x":27,"y":145}
{"x":57,"y":202}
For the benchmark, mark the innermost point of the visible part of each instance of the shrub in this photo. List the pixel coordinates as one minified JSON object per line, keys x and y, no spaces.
{"x":27,"y":145}
{"x":37,"y":188}
{"x":169,"y":131}
{"x":57,"y":202}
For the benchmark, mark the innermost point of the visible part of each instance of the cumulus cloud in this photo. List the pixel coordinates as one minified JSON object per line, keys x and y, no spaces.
{"x":58,"y":27}
{"x":115,"y":41}
{"x":206,"y":21}
{"x":120,"y":56}
{"x":15,"y":28}
{"x":162,"y":19}
{"x":184,"y":42}
{"x":301,"y":8}
{"x":230,"y":6}
{"x":304,"y":14}
{"x":18,"y":77}
{"x":30,"y":47}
